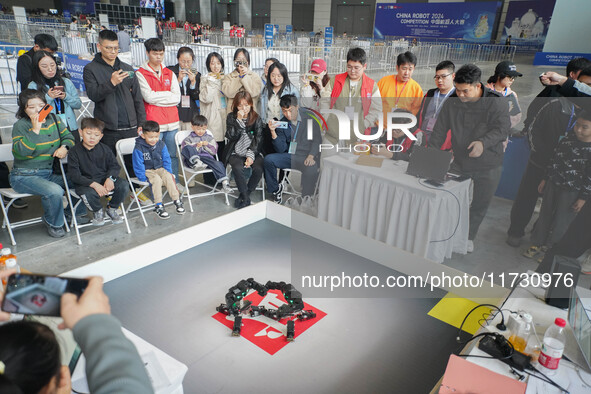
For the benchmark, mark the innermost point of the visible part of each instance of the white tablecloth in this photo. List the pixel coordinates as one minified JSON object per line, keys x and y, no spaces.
{"x":389,"y":206}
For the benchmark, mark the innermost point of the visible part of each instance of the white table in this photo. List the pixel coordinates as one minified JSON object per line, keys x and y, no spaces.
{"x":389,"y":206}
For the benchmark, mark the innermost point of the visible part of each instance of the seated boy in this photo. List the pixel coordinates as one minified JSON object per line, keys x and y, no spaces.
{"x":151,"y":163}
{"x":94,"y":171}
{"x":199,"y":150}
{"x":566,"y":187}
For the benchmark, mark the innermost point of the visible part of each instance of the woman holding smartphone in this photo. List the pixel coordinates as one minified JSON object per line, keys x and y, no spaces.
{"x":189,"y":79}
{"x":244,"y":133}
{"x":59,"y":92}
{"x":242,"y":79}
{"x":213,"y":101}
{"x":316,"y":86}
{"x":278,"y":85}
{"x":35,"y":144}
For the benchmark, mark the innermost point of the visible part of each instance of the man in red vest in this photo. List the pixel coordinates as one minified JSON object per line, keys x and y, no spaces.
{"x":161,"y":92}
{"x":354,"y":92}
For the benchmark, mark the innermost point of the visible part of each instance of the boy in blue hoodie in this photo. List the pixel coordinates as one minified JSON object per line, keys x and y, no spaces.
{"x":151,"y":163}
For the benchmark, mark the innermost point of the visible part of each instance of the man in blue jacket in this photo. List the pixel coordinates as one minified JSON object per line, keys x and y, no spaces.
{"x":295,"y":148}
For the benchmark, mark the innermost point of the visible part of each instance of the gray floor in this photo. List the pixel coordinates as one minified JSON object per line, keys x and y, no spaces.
{"x":362,"y":345}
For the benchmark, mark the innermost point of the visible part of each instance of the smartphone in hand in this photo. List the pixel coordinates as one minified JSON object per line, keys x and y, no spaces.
{"x":58,"y":88}
{"x":36,"y":294}
{"x":44,"y":112}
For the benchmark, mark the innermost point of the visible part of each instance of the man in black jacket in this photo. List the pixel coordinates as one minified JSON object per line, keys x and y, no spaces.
{"x":479,"y":122}
{"x":549,"y":117}
{"x":24,"y":65}
{"x":110,"y":83}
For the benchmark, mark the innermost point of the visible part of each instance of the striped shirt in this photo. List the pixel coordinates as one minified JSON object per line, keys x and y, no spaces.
{"x":242,"y":147}
{"x":36,"y":151}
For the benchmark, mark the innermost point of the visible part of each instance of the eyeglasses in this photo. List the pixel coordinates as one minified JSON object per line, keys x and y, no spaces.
{"x":110,"y":49}
{"x":441,"y":77}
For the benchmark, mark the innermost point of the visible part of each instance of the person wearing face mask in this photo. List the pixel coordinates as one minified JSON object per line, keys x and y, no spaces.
{"x":278,"y":86}
{"x":59,"y":92}
{"x":241,"y":79}
{"x":316,"y":86}
{"x":189,"y":79}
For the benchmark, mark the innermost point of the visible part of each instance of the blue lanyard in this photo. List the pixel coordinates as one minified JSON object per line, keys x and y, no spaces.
{"x":58,"y":104}
{"x":296,"y":130}
{"x":571,"y":122}
{"x":437,"y":105}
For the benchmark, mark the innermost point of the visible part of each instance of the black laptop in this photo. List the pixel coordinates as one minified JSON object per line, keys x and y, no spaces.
{"x":429,"y":163}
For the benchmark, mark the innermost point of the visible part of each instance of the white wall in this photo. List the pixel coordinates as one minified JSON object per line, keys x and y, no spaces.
{"x":281,"y":13}
{"x":321,"y":14}
{"x":245,"y":13}
{"x":570,"y":29}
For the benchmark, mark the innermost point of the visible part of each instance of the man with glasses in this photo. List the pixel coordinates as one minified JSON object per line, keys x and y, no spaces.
{"x":111,"y":84}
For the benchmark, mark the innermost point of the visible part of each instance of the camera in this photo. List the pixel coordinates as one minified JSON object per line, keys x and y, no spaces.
{"x":61,"y":67}
{"x":239,"y":63}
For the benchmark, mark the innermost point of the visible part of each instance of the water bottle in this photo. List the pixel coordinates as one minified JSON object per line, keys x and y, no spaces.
{"x":552,"y":347}
{"x":7,"y":261}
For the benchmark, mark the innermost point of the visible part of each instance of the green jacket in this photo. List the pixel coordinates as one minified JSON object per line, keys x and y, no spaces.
{"x":36,"y":151}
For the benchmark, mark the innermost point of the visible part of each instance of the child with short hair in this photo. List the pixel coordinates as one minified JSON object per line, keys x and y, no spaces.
{"x":567,"y":186}
{"x":94,"y":171}
{"x":199,"y":150}
{"x":152,"y":163}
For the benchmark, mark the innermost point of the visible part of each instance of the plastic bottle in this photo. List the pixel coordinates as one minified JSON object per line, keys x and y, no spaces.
{"x":7,"y":261}
{"x":552,"y":347}
{"x":519,"y":338}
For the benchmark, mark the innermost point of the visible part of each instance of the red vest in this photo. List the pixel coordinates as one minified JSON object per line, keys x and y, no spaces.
{"x":366,"y":91}
{"x":160,"y":115}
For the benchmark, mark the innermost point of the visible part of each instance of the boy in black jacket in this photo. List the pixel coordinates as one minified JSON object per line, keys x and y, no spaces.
{"x":566,"y":187}
{"x":94,"y":171}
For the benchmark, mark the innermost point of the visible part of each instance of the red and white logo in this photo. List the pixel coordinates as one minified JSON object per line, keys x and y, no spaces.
{"x":266,"y":333}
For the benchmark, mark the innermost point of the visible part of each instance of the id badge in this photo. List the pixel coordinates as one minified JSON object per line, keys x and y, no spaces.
{"x":185,"y":101}
{"x":223,"y":102}
{"x":350,"y":112}
{"x":292,"y":147}
{"x":431,"y":124}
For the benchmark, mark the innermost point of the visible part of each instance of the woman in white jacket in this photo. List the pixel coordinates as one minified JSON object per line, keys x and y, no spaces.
{"x":213,"y":102}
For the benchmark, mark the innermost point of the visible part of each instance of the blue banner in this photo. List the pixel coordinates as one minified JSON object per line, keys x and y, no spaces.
{"x":75,"y":68}
{"x":328,"y":34}
{"x":268,"y":35}
{"x":558,"y":59}
{"x":79,"y":6}
{"x":289,"y":28}
{"x":468,"y":21}
{"x":527,"y":23}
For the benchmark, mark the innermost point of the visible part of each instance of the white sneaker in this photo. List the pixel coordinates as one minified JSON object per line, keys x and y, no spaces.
{"x":226,"y":188}
{"x":470,"y":247}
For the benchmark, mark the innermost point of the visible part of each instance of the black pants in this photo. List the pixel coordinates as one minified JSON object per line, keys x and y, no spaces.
{"x":93,"y":201}
{"x":525,"y":201}
{"x":111,"y":137}
{"x":485,"y":185}
{"x":237,"y":163}
{"x":573,"y":243}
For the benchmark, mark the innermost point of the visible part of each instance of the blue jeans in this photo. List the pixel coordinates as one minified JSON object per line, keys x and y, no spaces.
{"x":49,"y":186}
{"x":168,"y":137}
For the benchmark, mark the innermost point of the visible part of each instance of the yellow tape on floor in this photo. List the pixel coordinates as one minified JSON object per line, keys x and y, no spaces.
{"x":452,"y":309}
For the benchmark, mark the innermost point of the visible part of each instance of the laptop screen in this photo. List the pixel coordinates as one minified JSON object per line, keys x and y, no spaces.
{"x":429,"y":163}
{"x":580,"y":322}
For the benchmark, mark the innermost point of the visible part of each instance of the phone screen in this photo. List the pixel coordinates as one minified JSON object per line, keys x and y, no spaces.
{"x":33,"y":294}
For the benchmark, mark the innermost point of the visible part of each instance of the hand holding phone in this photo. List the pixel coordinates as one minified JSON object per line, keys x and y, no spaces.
{"x":281,"y":125}
{"x":92,"y":301}
{"x":58,"y":88}
{"x":43,"y":113}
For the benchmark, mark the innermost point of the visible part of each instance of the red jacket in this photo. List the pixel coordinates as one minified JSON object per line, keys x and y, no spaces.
{"x":366,"y":92}
{"x":163,"y":115}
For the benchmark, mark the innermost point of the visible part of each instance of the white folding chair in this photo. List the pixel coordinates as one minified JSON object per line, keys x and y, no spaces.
{"x":12,"y":195}
{"x":72,"y":194}
{"x":179,"y":138}
{"x":288,"y":187}
{"x":125,"y":147}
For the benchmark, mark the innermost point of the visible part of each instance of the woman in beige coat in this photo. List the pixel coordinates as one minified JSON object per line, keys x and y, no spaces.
{"x":213,"y":102}
{"x":241,"y":79}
